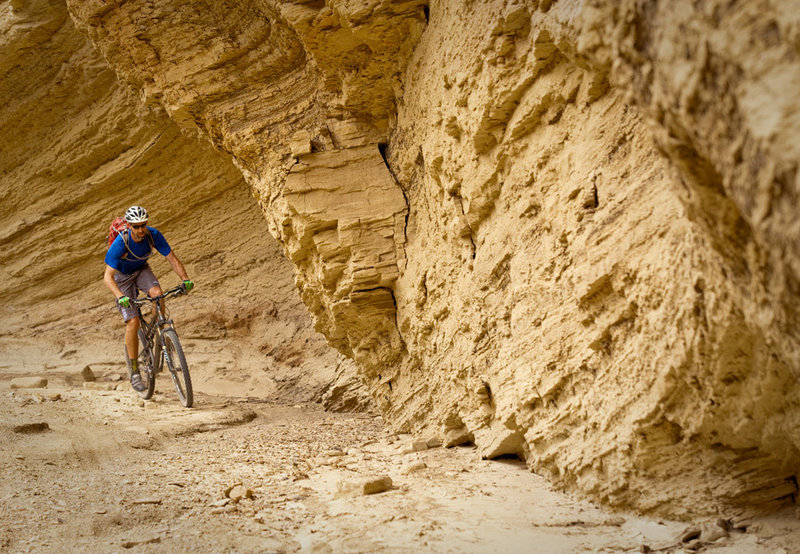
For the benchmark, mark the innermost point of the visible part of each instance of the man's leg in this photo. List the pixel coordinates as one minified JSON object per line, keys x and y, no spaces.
{"x":132,"y":338}
{"x":146,"y":280}
{"x":127,"y":284}
{"x":132,"y":345}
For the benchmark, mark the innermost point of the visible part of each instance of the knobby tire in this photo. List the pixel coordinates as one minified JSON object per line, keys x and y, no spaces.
{"x":178,"y":368}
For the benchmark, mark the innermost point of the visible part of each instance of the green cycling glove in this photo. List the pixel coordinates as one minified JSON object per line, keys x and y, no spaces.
{"x":188,"y":285}
{"x":124,"y":301}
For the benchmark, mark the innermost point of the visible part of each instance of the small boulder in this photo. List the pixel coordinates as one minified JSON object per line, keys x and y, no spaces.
{"x":413,"y":467}
{"x":238,"y":492}
{"x":689,"y":534}
{"x":419,"y":446}
{"x":433,"y":442}
{"x":457,"y":437}
{"x":711,"y":533}
{"x":413,"y":446}
{"x":371,"y":485}
{"x":28,"y":383}
{"x":377,"y":484}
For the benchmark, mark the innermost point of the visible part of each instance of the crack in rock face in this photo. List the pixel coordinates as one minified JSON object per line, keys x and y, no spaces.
{"x":585,"y":249}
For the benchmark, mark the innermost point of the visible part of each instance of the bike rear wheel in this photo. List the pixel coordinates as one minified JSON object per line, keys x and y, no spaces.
{"x":178,"y":368}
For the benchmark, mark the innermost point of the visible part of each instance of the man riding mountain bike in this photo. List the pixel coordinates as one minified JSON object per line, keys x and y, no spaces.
{"x":127,"y":272}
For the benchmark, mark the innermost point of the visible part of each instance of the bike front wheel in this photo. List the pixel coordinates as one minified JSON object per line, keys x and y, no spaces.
{"x":178,"y":368}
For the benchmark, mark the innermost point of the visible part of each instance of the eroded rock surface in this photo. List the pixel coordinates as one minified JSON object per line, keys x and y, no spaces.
{"x":584,"y":247}
{"x":77,"y":147}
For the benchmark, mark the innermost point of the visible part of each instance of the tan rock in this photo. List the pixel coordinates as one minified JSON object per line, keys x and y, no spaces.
{"x":87,"y":374}
{"x":712,"y":533}
{"x":433,"y":442}
{"x":28,"y":383}
{"x":377,"y":484}
{"x":419,"y":446}
{"x":366,"y":486}
{"x":145,"y":500}
{"x":457,"y":437}
{"x":238,"y":492}
{"x":300,"y":143}
{"x":413,"y":467}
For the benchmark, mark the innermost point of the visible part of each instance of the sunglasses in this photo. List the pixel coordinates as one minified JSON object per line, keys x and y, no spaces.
{"x":141,"y":226}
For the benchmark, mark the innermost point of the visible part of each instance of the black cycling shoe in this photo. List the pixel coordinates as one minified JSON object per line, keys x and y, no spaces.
{"x":137,"y":383}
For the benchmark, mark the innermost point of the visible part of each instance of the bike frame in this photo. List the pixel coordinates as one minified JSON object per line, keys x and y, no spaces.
{"x":157,"y":325}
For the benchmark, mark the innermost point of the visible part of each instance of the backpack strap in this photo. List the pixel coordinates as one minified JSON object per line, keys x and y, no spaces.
{"x":128,"y":248}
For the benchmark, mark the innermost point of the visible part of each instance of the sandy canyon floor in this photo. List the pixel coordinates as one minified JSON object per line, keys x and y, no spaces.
{"x":89,"y":466}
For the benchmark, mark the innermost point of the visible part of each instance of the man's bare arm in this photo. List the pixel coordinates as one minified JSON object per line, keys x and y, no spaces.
{"x":108,"y":279}
{"x":177,"y":266}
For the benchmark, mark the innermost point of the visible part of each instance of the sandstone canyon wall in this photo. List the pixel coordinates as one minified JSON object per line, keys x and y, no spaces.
{"x":562,"y":230}
{"x":76,"y":149}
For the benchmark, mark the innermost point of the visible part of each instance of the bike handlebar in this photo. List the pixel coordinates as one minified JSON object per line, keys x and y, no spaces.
{"x":177,"y":291}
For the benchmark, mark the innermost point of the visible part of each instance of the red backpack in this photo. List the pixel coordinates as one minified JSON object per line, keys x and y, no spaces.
{"x":119,"y":227}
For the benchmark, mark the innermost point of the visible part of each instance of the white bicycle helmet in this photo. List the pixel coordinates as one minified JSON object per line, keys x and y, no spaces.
{"x":136,"y":214}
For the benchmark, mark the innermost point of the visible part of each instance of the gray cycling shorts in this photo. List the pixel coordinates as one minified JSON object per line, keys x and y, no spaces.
{"x":130,"y":285}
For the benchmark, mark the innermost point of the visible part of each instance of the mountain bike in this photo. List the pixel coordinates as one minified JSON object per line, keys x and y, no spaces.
{"x":159,"y":343}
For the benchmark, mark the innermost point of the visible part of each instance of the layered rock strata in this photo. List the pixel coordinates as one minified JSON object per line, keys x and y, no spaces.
{"x":622,"y":344}
{"x":585,"y":251}
{"x":76,"y":149}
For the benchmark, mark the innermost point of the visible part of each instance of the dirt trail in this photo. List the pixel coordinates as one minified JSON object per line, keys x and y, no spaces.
{"x":101,"y":470}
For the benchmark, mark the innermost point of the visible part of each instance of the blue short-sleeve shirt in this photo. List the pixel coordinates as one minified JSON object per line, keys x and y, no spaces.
{"x":121,"y":259}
